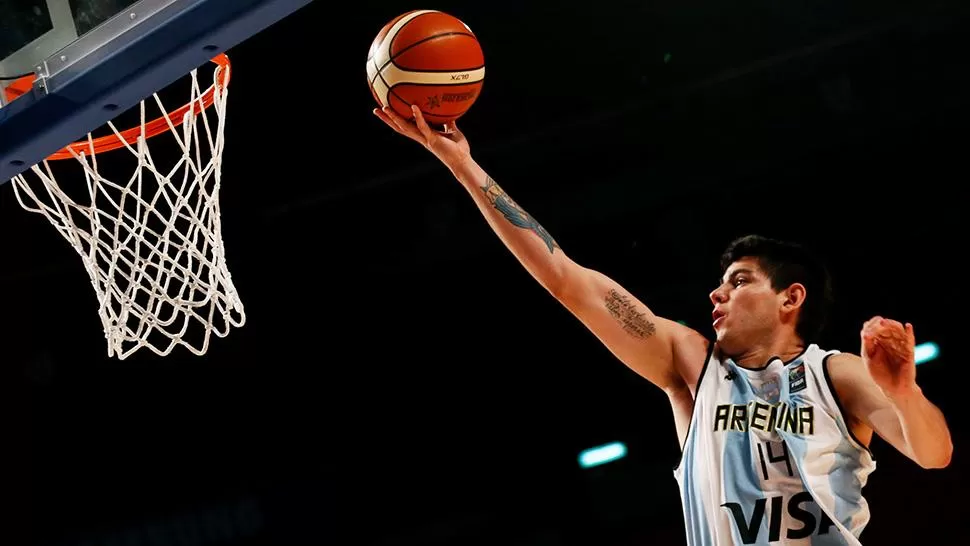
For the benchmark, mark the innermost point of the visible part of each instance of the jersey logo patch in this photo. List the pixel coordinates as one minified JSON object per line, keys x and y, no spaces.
{"x":796,"y":378}
{"x":770,"y":390}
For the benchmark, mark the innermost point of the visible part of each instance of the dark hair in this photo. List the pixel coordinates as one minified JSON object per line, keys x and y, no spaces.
{"x":786,"y":263}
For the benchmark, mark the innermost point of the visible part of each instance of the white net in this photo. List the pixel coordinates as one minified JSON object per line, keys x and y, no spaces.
{"x":151,"y":240}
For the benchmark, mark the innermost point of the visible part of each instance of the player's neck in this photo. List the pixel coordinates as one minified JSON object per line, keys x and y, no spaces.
{"x":784,"y":347}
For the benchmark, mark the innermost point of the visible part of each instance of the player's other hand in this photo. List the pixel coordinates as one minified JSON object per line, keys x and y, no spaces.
{"x":449,"y":145}
{"x":888,"y":349}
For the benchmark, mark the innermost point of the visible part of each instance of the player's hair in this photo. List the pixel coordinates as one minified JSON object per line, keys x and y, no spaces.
{"x":786,"y":263}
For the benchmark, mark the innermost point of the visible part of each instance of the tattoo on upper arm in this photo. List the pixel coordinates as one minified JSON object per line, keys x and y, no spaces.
{"x":625,"y":312}
{"x":514,"y":213}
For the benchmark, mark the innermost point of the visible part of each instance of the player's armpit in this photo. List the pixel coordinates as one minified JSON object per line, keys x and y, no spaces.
{"x":666,"y":353}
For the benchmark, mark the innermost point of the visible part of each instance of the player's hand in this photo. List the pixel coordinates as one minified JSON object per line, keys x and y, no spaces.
{"x":449,"y":145}
{"x":888,"y":349}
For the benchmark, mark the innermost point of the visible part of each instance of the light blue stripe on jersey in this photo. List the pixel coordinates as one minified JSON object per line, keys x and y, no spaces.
{"x":697,"y":523}
{"x":743,"y":484}
{"x":844,"y":484}
{"x":799,"y":449}
{"x":845,"y":487}
{"x":833,"y":537}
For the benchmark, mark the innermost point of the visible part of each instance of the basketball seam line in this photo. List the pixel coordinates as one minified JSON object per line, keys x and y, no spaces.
{"x":381,"y":74}
{"x":392,"y":23}
{"x":390,"y":41}
{"x":391,"y":58}
{"x":380,"y":69}
{"x":423,"y":71}
{"x":377,"y":75}
{"x":400,"y":98}
{"x":390,"y":91}
{"x":420,"y":84}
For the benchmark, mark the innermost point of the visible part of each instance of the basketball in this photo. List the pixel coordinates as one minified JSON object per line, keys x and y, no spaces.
{"x":427,"y":58}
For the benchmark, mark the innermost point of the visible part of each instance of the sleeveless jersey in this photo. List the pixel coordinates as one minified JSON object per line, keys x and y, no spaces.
{"x":769,"y":459}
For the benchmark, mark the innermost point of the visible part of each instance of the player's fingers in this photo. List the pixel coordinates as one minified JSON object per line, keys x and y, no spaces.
{"x":869,"y":350}
{"x":407,"y":127}
{"x":910,"y":334}
{"x":422,"y":125}
{"x":893,"y":324}
{"x":888,"y":345}
{"x":877,"y":352}
{"x":383,"y":117}
{"x":891,"y":331}
{"x":395,"y":118}
{"x":868,"y":343}
{"x":391,"y":119}
{"x":454,"y":130}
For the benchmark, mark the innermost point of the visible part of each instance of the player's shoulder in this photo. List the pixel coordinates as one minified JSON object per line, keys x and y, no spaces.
{"x":842,"y":361}
{"x":844,"y":368}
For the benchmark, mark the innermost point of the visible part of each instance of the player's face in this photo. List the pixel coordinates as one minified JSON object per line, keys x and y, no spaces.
{"x":746,"y":308}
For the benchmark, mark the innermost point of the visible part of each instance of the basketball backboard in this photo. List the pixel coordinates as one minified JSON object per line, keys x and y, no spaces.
{"x":88,"y":60}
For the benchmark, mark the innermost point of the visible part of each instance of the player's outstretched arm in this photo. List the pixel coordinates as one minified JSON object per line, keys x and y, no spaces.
{"x":666,"y":353}
{"x":879,"y":390}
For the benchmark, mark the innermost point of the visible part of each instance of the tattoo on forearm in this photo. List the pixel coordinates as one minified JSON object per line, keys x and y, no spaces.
{"x":625,"y":312}
{"x":514,"y":213}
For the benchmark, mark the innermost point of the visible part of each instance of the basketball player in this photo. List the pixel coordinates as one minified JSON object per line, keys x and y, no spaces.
{"x":775,"y":430}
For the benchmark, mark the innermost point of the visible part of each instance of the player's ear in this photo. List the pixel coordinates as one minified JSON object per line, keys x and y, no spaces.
{"x":794,"y":296}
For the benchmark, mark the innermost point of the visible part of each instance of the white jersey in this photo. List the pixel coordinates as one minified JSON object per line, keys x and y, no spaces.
{"x":769,"y":459}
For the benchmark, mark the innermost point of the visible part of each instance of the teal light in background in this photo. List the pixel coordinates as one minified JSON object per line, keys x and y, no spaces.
{"x":603,"y":454}
{"x":926,"y":351}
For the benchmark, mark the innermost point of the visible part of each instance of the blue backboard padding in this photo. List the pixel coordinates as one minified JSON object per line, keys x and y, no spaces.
{"x":36,"y":124}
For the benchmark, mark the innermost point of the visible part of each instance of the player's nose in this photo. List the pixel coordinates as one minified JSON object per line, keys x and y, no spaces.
{"x":718,"y":295}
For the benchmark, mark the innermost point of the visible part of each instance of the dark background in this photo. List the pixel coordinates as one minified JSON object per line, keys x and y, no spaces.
{"x":401,"y":380}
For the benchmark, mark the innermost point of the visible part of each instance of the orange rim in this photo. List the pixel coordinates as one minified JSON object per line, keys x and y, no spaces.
{"x":19,"y":87}
{"x":153,"y":128}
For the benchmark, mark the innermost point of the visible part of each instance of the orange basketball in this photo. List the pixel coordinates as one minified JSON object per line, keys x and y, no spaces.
{"x":427,"y":58}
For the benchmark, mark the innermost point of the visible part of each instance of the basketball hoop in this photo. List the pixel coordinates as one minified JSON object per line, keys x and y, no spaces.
{"x":152,"y":245}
